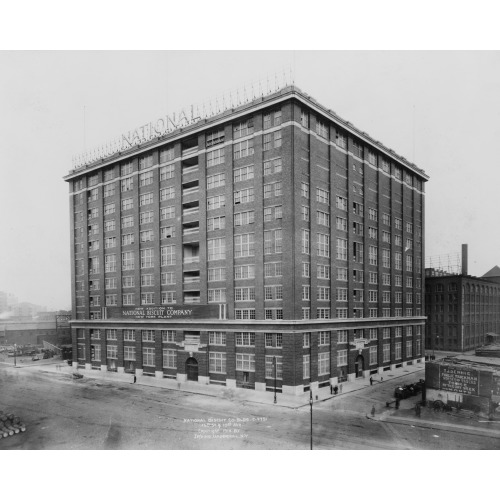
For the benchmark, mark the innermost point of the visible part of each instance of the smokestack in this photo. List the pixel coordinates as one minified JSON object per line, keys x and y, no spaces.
{"x":465,"y":271}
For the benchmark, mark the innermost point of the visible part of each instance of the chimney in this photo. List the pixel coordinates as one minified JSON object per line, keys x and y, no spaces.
{"x":465,"y":271}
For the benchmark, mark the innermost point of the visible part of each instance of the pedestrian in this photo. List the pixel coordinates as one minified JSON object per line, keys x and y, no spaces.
{"x":340,"y":388}
{"x":335,"y":390}
{"x":331,"y":389}
{"x":373,"y":410}
{"x":135,"y":379}
{"x":371,"y":380}
{"x":417,"y":410}
{"x":381,"y":379}
{"x":397,"y":403}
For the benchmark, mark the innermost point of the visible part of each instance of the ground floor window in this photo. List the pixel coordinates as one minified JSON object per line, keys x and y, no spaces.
{"x":217,"y":362}
{"x":148,"y":356}
{"x":112,"y":352}
{"x":169,"y":358}
{"x":409,"y":350}
{"x":306,"y":365}
{"x":270,"y":367}
{"x":245,"y":362}
{"x":129,"y":353}
{"x":387,"y":353}
{"x":324,"y":363}
{"x":96,"y":352}
{"x":342,"y":357}
{"x":397,"y":346}
{"x":373,"y":355}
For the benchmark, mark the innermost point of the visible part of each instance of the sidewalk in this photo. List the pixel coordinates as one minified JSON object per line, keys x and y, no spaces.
{"x":237,"y":394}
{"x":438,"y":420}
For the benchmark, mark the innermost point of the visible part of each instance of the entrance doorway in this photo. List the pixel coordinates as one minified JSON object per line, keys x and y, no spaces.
{"x":192,"y":369}
{"x":359,"y":366}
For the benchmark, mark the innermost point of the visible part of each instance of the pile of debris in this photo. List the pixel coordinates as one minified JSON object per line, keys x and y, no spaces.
{"x":10,"y":424}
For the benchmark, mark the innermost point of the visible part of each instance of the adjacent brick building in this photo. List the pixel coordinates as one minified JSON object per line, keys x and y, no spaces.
{"x":462,"y":310}
{"x":270,"y":239}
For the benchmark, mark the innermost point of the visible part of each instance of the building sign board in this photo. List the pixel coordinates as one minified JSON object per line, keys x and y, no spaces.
{"x":459,"y":379}
{"x":185,"y":312}
{"x":495,"y":385}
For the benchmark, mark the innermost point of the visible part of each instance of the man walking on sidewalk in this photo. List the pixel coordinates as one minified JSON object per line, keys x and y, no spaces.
{"x":371,"y":380}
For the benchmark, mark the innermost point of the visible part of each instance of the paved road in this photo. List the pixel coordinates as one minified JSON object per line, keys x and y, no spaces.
{"x":62,"y":413}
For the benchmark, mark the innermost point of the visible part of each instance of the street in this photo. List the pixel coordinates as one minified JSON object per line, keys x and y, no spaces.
{"x":61,"y":413}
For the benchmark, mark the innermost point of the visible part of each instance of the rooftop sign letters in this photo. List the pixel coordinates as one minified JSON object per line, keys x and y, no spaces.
{"x":165,"y":312}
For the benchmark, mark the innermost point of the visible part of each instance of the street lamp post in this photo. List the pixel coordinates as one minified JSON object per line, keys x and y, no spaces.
{"x":15,"y":353}
{"x":275,"y":374}
{"x":311,"y":404}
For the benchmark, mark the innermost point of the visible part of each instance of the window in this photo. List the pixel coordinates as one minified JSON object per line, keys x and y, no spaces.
{"x":243,"y":149}
{"x":306,"y":292}
{"x":215,"y":157}
{"x":373,"y":355}
{"x":169,"y":358}
{"x":245,"y":362}
{"x":398,"y":223}
{"x":110,"y":334}
{"x":215,"y":181}
{"x":127,"y":184}
{"x":273,"y":292}
{"x":321,"y":129}
{"x":306,"y":269}
{"x":217,"y":338}
{"x":217,"y":274}
{"x":271,"y":189}
{"x":217,"y":362}
{"x":111,"y":300}
{"x":272,"y":241}
{"x":373,"y":214}
{"x":270,"y":367}
{"x":271,"y":269}
{"x":341,"y":223}
{"x":126,"y":168}
{"x":306,"y":339}
{"x":167,"y":193}
{"x":242,"y":294}
{"x":409,"y":263}
{"x":324,"y":338}
{"x":167,"y":278}
{"x":169,"y":297}
{"x":322,"y":196}
{"x":372,"y":255}
{"x":242,"y":272}
{"x":128,"y":281}
{"x":148,"y":356}
{"x":167,"y":213}
{"x":341,"y":203}
{"x":323,"y":293}
{"x":127,"y":221}
{"x":167,"y":154}
{"x":214,"y":223}
{"x":341,"y":274}
{"x":110,"y":283}
{"x":145,"y":161}
{"x":341,"y":249}
{"x":342,"y":294}
{"x":306,"y":365}
{"x":129,"y":353}
{"x":357,"y":252}
{"x":147,"y":298}
{"x":244,"y":218}
{"x":323,"y":271}
{"x":273,"y":213}
{"x":146,"y":258}
{"x":397,"y":261}
{"x":243,"y":245}
{"x":372,"y":296}
{"x":216,"y":295}
{"x":323,"y":313}
{"x":341,"y":140}
{"x":146,"y":178}
{"x":357,"y":208}
{"x":323,"y":218}
{"x":272,"y":166}
{"x":168,"y":255}
{"x":145,"y":217}
{"x":111,"y":352}
{"x":323,"y":363}
{"x":304,"y":119}
{"x":215,"y":137}
{"x":166,"y":172}
{"x":306,"y":247}
{"x":409,"y":349}
{"x":216,"y":249}
{"x":274,"y":340}
{"x":127,"y":239}
{"x":245,"y":339}
{"x":109,"y":209}
{"x":304,"y":189}
{"x":243,"y":196}
{"x":243,"y":173}
{"x":342,"y":337}
{"x":244,"y":314}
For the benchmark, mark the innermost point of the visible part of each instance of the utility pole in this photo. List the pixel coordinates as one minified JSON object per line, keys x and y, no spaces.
{"x":275,"y":373}
{"x":311,"y":404}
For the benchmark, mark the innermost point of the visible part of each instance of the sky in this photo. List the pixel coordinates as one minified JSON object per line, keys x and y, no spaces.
{"x":439,"y":109}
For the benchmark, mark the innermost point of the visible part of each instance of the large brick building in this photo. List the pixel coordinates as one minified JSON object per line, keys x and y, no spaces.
{"x":271,"y":239}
